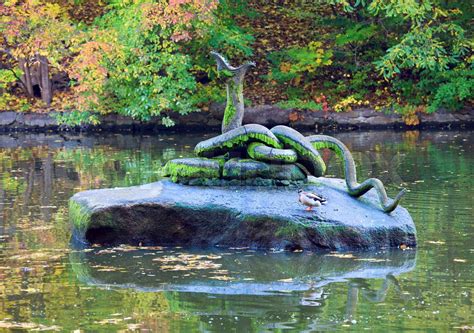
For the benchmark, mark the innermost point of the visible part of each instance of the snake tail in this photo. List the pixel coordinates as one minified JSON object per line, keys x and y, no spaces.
{"x":354,"y":188}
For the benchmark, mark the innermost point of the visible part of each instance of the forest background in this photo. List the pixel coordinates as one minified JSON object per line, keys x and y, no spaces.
{"x":151,"y":58}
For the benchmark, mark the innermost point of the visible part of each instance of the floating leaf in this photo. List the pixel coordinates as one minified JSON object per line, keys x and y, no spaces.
{"x":459,"y":260}
{"x":341,"y":255}
{"x":436,"y":242}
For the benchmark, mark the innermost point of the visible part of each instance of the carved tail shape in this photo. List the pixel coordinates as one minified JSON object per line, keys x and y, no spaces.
{"x":355,"y":189}
{"x":234,"y":110}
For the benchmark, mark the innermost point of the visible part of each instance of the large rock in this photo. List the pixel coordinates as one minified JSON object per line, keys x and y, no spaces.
{"x":165,"y":213}
{"x":7,"y":118}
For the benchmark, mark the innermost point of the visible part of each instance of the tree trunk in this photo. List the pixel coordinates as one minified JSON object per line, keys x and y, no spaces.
{"x":26,"y":77}
{"x":44,"y":81}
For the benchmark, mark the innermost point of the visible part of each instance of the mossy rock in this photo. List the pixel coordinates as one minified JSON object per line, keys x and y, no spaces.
{"x":166,"y":213}
{"x":308,"y":156}
{"x":235,"y":139}
{"x":246,"y":168}
{"x":193,"y":168}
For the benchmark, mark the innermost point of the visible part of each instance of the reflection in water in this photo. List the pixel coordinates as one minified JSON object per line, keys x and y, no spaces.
{"x":44,"y":283}
{"x":284,"y":281}
{"x":231,"y":272}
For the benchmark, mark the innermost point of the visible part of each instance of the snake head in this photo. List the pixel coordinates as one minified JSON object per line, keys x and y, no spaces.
{"x":223,"y":64}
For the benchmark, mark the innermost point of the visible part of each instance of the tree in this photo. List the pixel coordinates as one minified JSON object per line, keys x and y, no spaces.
{"x":35,"y":37}
{"x":143,"y":57}
{"x":426,"y":43}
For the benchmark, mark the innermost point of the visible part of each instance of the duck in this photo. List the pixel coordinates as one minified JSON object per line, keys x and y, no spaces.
{"x":311,"y":199}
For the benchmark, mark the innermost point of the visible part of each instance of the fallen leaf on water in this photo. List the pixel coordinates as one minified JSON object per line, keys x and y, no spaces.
{"x":40,"y":256}
{"x":185,"y":261}
{"x":133,"y":327}
{"x":222,"y":278}
{"x":372,"y":259}
{"x":40,"y":228}
{"x":106,"y":251}
{"x":221,"y":271}
{"x":459,"y":260}
{"x":192,"y":265}
{"x":341,"y":255}
{"x":31,"y":290}
{"x":152,"y":248}
{"x":27,"y":326}
{"x":212,"y":257}
{"x":286,"y":280}
{"x":103,"y":268}
{"x":109,"y":321}
{"x":464,"y":328}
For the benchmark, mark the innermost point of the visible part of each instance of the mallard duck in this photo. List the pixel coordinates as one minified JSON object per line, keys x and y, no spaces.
{"x":310,"y":199}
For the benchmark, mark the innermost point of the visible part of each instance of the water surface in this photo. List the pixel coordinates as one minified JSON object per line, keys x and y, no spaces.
{"x":45,"y":283}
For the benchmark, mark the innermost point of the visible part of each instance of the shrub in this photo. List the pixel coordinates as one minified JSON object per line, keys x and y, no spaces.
{"x":146,"y":59}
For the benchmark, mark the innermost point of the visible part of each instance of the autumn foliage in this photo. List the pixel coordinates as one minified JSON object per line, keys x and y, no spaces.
{"x":151,"y":58}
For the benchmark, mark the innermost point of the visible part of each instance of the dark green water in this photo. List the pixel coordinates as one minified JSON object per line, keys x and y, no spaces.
{"x":45,"y":284}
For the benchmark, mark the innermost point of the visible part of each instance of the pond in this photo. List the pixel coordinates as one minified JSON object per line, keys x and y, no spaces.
{"x":48,"y":283}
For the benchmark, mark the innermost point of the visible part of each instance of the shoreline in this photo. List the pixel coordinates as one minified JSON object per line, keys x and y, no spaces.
{"x":266,"y":115}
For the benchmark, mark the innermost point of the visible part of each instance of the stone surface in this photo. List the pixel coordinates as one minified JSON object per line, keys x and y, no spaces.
{"x":246,"y":168}
{"x":38,"y":120}
{"x":7,"y":118}
{"x":165,"y":213}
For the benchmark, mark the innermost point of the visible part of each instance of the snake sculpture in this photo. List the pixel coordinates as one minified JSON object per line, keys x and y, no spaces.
{"x":280,"y":145}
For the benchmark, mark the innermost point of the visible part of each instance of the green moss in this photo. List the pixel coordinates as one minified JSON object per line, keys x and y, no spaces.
{"x":329,"y":145}
{"x":289,"y":230}
{"x":251,"y":150}
{"x":236,"y":90}
{"x":260,"y":152}
{"x":193,"y":168}
{"x":265,"y":139}
{"x":229,"y":113}
{"x":234,"y":139}
{"x":303,"y":151}
{"x":79,"y":216}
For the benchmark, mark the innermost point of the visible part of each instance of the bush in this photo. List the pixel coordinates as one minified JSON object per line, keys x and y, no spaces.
{"x":298,"y":63}
{"x":146,"y":59}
